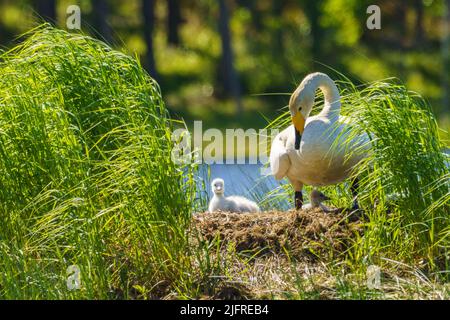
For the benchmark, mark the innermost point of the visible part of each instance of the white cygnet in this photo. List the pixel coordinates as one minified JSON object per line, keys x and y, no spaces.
{"x":230,"y":204}
{"x":316,"y":198}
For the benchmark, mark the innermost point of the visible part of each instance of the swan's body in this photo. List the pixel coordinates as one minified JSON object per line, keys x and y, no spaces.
{"x":231,"y":204}
{"x":316,"y":197}
{"x":325,"y":155}
{"x":316,"y":163}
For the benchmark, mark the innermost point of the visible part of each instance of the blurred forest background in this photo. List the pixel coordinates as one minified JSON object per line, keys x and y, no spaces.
{"x":234,"y":62}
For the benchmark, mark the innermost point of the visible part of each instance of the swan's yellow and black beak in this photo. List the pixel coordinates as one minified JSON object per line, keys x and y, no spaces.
{"x":299,"y":125}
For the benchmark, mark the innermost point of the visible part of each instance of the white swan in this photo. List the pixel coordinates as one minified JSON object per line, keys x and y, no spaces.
{"x":231,"y":204}
{"x":316,"y":197}
{"x":313,"y":150}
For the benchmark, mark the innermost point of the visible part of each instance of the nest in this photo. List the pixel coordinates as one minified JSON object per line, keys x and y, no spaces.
{"x":303,"y":233}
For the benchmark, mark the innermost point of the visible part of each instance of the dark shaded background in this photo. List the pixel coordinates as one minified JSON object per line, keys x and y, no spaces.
{"x":229,"y":62}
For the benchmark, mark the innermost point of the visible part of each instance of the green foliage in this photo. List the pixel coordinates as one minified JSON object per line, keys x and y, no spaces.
{"x":343,"y":18}
{"x":85,"y":172}
{"x":407,"y":159}
{"x":274,"y":46}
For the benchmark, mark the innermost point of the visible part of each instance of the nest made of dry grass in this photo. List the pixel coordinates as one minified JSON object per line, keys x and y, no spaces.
{"x":302,"y":233}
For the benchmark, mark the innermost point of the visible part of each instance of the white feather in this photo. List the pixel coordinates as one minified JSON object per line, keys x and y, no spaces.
{"x":236,"y":204}
{"x":325,"y":156}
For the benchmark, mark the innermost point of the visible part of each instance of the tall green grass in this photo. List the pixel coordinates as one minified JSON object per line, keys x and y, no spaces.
{"x":86,"y":176}
{"x":404,"y":181}
{"x":406,"y":161}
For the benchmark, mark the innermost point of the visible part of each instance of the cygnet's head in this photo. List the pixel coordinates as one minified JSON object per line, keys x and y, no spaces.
{"x":218,"y":186}
{"x":318,"y":197}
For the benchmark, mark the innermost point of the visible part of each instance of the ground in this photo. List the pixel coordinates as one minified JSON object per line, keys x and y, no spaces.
{"x":296,"y":255}
{"x":272,"y":232}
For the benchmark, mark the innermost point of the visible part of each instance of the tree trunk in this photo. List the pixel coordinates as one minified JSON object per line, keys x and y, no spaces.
{"x":312,"y":11}
{"x":255,"y":13}
{"x":101,"y":26}
{"x":228,"y":75}
{"x":277,"y":9}
{"x":419,"y":32}
{"x":400,"y":17}
{"x":445,"y":48}
{"x":148,"y":12}
{"x":277,"y":34}
{"x":46,"y":9}
{"x":173,"y":22}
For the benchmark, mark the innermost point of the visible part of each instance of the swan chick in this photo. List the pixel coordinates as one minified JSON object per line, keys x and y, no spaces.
{"x":316,"y":198}
{"x":236,"y":204}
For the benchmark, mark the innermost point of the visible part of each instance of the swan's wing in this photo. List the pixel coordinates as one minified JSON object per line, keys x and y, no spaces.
{"x":279,"y":159}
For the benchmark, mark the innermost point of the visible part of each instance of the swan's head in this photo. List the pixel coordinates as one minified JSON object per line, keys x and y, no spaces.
{"x":318,"y":197}
{"x":300,"y":105}
{"x":218,"y":186}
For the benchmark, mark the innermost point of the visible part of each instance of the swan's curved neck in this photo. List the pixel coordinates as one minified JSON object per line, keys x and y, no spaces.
{"x":330,"y":91}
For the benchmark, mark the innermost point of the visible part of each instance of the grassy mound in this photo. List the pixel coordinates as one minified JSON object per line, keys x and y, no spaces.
{"x":85,"y":168}
{"x":307,"y":235}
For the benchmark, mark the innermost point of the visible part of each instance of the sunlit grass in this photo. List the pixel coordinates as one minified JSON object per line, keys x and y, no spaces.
{"x":85,"y":172}
{"x":86,"y":179}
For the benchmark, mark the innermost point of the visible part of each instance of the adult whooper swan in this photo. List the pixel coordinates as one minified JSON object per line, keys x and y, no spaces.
{"x":317,"y":150}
